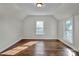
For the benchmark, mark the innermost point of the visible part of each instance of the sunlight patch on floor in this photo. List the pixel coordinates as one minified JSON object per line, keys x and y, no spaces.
{"x":18,"y":49}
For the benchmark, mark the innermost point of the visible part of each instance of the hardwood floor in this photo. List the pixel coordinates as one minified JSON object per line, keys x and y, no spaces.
{"x":39,"y":48}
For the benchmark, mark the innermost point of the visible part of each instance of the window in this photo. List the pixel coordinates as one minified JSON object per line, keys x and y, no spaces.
{"x":39,"y":28}
{"x":69,"y":30}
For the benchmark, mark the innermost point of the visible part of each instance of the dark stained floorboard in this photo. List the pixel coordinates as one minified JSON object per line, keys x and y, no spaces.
{"x":44,"y":48}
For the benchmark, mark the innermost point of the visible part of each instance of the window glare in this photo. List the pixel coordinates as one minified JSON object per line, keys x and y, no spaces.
{"x":39,"y":27}
{"x":68,"y":34}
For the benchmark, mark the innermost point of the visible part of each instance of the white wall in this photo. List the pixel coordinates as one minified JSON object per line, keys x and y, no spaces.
{"x":9,"y":32}
{"x":50,"y":27}
{"x":60,"y":29}
{"x":76,"y":32}
{"x":10,"y":25}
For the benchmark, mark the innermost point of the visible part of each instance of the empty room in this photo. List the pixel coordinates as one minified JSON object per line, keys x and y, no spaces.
{"x":39,"y":29}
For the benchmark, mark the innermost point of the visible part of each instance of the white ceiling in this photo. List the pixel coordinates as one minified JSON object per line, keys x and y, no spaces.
{"x":58,"y":10}
{"x":46,"y":9}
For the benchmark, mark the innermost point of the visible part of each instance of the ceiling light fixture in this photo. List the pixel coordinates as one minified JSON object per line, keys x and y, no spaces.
{"x":39,"y":4}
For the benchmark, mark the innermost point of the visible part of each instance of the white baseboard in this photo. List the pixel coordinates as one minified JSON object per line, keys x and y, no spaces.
{"x":71,"y":46}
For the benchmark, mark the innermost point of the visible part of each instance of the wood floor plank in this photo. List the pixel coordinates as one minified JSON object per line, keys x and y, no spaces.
{"x":19,"y":49}
{"x":39,"y":48}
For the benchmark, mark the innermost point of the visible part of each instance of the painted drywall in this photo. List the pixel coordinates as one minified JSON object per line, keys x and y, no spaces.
{"x":10,"y":25}
{"x":76,"y":31}
{"x":50,"y":27}
{"x":9,"y":33}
